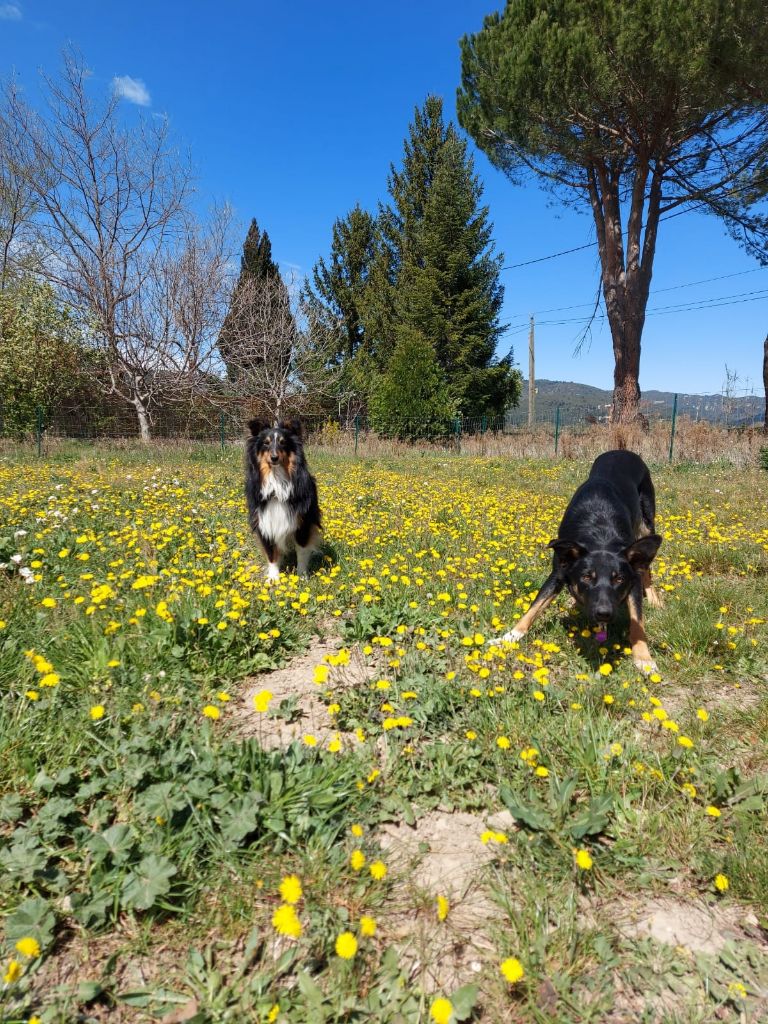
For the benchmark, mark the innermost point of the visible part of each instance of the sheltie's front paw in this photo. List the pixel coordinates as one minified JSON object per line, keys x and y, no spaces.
{"x":273,"y":573}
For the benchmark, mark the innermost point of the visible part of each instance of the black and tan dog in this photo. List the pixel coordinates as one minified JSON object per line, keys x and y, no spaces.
{"x":604,"y":549}
{"x":281,"y":493}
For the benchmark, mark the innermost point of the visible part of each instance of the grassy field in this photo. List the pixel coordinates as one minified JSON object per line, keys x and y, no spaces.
{"x":338,"y":799}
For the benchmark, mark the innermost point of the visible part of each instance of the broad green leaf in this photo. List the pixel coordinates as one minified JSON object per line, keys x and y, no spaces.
{"x":150,"y":879}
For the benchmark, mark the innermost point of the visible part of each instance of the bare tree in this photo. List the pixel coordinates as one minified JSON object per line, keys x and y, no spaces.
{"x":17,"y":199}
{"x":110,"y":200}
{"x":281,"y":366}
{"x":172,"y":325}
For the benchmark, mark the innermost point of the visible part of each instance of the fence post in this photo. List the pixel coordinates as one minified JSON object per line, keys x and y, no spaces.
{"x":484,"y":424}
{"x":457,"y":431}
{"x":357,"y":430}
{"x":221,"y":430}
{"x":672,"y":432}
{"x":39,"y":431}
{"x":557,"y":427}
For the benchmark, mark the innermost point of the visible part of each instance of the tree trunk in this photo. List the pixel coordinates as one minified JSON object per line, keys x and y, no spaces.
{"x":625,"y":273}
{"x":765,"y":382}
{"x":145,"y":433}
{"x":626,"y":373}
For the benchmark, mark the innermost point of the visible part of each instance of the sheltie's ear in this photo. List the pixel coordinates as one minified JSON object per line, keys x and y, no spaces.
{"x":256,"y":427}
{"x":292,"y":426}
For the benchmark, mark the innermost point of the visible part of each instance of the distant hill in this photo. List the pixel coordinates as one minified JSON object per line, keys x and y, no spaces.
{"x":578,"y":401}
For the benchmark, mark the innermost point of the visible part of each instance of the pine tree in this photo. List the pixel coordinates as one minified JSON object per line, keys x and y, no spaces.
{"x":630,"y":110}
{"x":256,"y":265}
{"x":441,"y":278}
{"x":411,"y":400}
{"x":340,"y":285}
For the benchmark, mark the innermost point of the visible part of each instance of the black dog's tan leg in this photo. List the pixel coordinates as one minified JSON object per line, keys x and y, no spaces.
{"x":637,"y":638}
{"x":652,"y":595}
{"x":549,"y":591}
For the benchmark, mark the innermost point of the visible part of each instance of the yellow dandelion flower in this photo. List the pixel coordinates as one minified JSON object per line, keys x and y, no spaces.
{"x":378,"y":870}
{"x":97,"y":712}
{"x":357,"y":860}
{"x":211,"y":711}
{"x":261,"y":700}
{"x":512,"y":970}
{"x":346,"y":945}
{"x":721,"y":884}
{"x":441,"y":1010}
{"x":285,"y":921}
{"x":290,"y":889}
{"x":582,"y":859}
{"x":30,"y":947}
{"x":443,"y":906}
{"x":367,"y":926}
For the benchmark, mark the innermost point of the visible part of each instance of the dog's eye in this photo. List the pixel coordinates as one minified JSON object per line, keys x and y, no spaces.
{"x":587,"y":577}
{"x":618,"y":578}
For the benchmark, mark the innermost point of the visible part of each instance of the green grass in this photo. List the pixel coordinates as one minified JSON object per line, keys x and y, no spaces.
{"x":154,"y":834}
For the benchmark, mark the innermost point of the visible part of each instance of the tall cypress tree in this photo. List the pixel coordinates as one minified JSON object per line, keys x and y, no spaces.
{"x":442,"y":273}
{"x":256,"y":264}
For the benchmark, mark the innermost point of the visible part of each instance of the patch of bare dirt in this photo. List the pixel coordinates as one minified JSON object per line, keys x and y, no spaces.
{"x":304,"y":712}
{"x":699,"y":927}
{"x":710,"y":692}
{"x":443,"y":855}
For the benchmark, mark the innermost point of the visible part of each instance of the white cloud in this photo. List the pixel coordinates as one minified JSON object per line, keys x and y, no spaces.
{"x":131,"y":89}
{"x":10,"y":12}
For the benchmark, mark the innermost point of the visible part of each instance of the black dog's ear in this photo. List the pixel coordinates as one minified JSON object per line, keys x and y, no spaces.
{"x":643,"y":551}
{"x":292,"y":426}
{"x":567,"y":551}
{"x":256,"y":426}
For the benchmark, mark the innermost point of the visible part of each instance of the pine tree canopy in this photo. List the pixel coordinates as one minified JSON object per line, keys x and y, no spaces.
{"x":632,"y":108}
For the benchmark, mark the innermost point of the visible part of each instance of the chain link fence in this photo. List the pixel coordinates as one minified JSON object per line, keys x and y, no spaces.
{"x":700,"y":428}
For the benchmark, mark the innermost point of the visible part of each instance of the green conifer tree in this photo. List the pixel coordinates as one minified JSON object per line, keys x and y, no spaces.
{"x":441,"y":278}
{"x":410,"y":399}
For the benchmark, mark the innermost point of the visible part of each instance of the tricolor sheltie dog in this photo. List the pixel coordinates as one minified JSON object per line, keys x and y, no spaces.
{"x":281,"y":493}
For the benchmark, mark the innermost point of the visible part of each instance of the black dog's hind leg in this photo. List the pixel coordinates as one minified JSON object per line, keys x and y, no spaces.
{"x":307,"y":541}
{"x":549,"y":591}
{"x":637,"y":638}
{"x":647,"y":527}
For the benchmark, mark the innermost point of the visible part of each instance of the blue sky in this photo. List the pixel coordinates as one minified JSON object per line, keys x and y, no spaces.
{"x":293,"y":113}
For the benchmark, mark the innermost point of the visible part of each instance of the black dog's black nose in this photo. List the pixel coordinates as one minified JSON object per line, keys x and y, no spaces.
{"x":274,"y":458}
{"x":602,"y":613}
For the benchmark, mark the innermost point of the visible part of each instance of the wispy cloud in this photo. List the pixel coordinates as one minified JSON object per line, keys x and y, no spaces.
{"x":10,"y":12}
{"x":131,"y":89}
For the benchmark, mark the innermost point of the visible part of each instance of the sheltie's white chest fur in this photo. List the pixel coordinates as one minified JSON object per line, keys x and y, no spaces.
{"x":277,"y":519}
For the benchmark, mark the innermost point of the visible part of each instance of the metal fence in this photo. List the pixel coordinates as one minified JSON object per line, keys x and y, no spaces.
{"x":224,"y":424}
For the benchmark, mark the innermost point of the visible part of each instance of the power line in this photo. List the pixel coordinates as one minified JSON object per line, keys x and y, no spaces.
{"x":685,"y":307}
{"x":697,"y":204}
{"x":657,"y":291}
{"x":552,"y":256}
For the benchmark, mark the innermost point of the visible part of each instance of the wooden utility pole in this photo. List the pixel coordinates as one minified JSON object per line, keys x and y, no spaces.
{"x":765,"y":382}
{"x":531,"y":378}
